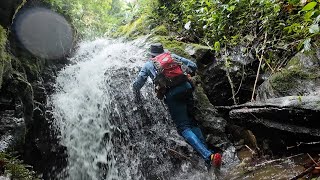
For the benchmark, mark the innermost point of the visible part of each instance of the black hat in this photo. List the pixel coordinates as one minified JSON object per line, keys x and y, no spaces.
{"x":156,"y":49}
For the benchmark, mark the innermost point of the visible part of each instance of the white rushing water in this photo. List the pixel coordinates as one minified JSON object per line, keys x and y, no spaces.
{"x":107,"y":135}
{"x":82,"y":105}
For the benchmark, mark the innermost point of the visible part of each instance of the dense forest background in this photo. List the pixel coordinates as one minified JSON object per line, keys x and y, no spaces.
{"x":271,"y":30}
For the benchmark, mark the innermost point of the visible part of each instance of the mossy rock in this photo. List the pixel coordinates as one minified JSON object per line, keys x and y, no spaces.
{"x":134,"y":29}
{"x":15,"y":169}
{"x":160,"y":31}
{"x":300,"y":77}
{"x":5,"y":60}
{"x":172,"y":45}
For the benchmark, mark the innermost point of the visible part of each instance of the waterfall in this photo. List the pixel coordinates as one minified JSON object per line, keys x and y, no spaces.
{"x":106,"y":134}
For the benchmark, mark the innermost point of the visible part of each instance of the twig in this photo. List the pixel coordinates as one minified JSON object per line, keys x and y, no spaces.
{"x":252,"y":151}
{"x":272,"y":70}
{"x":257,"y":166}
{"x":230,"y":81}
{"x":181,"y":155}
{"x":232,"y":87}
{"x":258,"y":72}
{"x":194,"y":163}
{"x":305,"y":172}
{"x":300,"y":143}
{"x":242,"y":78}
{"x":313,"y":160}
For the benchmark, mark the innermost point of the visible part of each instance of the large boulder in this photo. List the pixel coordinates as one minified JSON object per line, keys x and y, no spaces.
{"x":284,"y":121}
{"x":209,"y":119}
{"x":234,"y":70}
{"x":12,"y":131}
{"x":301,"y":77}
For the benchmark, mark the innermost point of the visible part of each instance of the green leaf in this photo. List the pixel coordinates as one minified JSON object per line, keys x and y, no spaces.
{"x":231,"y":8}
{"x":309,"y":6}
{"x":276,"y":8}
{"x":217,"y":46}
{"x":308,"y":15}
{"x":314,"y":28}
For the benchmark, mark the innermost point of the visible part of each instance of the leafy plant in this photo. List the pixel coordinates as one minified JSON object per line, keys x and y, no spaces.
{"x":15,"y":169}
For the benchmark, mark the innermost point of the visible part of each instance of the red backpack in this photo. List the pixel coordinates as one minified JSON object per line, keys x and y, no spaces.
{"x":169,"y":71}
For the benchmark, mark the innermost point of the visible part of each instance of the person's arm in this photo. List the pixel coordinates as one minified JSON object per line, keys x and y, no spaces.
{"x":193,"y":67}
{"x":142,"y":77}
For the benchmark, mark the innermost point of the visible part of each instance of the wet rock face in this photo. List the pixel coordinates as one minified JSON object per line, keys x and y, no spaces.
{"x":216,"y":83}
{"x":25,"y":120}
{"x":209,"y":119}
{"x":7,"y":10}
{"x":283,"y":121}
{"x":12,"y":130}
{"x":301,"y":77}
{"x":42,"y":149}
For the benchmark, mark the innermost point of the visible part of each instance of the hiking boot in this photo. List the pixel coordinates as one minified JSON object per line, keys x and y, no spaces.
{"x":216,"y":160}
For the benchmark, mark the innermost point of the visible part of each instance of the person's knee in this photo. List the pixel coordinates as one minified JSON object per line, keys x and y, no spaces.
{"x":188,"y":134}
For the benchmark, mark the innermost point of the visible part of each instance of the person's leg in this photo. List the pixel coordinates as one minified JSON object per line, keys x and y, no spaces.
{"x":177,"y":105}
{"x":196,"y":143}
{"x":197,"y":131}
{"x":190,"y":108}
{"x":176,"y":100}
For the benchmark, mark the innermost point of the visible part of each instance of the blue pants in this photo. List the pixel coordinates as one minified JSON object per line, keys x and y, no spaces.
{"x":177,"y":100}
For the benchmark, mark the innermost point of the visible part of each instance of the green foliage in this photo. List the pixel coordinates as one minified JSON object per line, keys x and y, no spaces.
{"x":133,"y":30}
{"x":15,"y":168}
{"x":5,"y":59}
{"x":172,"y":45}
{"x":91,"y":18}
{"x":285,"y":26}
{"x":217,"y":46}
{"x":160,"y":30}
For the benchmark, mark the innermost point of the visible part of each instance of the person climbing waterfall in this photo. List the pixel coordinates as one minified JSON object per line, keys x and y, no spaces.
{"x":171,"y":76}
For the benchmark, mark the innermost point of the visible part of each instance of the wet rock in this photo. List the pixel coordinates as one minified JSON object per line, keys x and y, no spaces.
{"x":202,"y":54}
{"x":301,"y":77}
{"x":242,"y":136}
{"x":206,"y":114}
{"x":241,"y":70}
{"x":21,"y":88}
{"x":285,"y":121}
{"x":208,"y":118}
{"x":7,"y":10}
{"x":40,"y":93}
{"x":12,"y":131}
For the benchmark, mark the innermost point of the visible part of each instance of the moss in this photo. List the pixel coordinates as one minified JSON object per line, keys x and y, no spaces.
{"x":160,"y":30}
{"x":172,"y":45}
{"x":32,"y":68}
{"x":301,"y":69}
{"x":5,"y":60}
{"x":287,"y":79}
{"x":133,"y":29}
{"x":15,"y":168}
{"x":202,"y":99}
